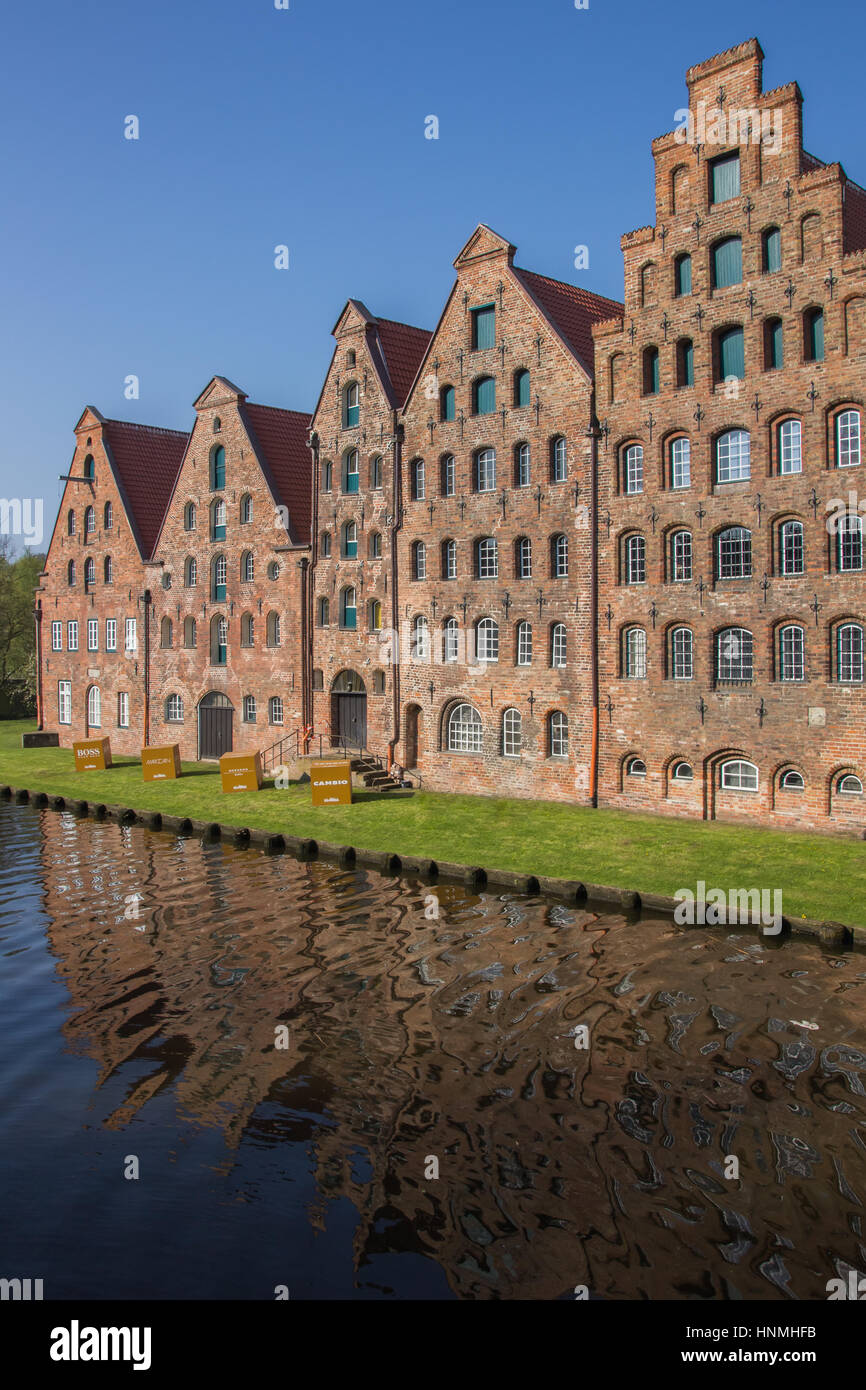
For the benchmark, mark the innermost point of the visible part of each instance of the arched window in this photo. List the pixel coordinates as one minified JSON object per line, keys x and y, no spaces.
{"x":174,"y":709}
{"x":813,"y":335}
{"x":376,"y":472}
{"x":351,"y":405}
{"x":634,"y":557}
{"x":650,"y":371}
{"x":733,"y":456}
{"x":635,"y":767}
{"x":559,"y":556}
{"x":219,"y":636}
{"x":417,"y":480}
{"x":632,"y":476}
{"x":790,"y":447}
{"x":166,"y":579}
{"x":450,"y":640}
{"x":189,"y":516}
{"x":218,"y":579}
{"x":521,"y":465}
{"x":791,"y":548}
{"x":107,"y":570}
{"x":558,"y":645}
{"x":165,"y":633}
{"x":448,"y":479}
{"x":848,"y":439}
{"x":685,"y":362}
{"x":447,"y":403}
{"x":734,"y":656}
{"x":679,"y":188}
{"x":523,"y":558}
{"x":849,"y":542}
{"x":375,"y":545}
{"x":349,"y":608}
{"x":327,"y":475}
{"x":190,"y":572}
{"x":484,"y":396}
{"x":275,"y":710}
{"x":774,"y":344}
{"x":351,"y":472}
{"x":249,"y":709}
{"x":521,"y":389}
{"x":681,"y":557}
{"x":420,"y":645}
{"x":217,"y":468}
{"x":512,"y":733}
{"x":680,"y":456}
{"x":727,"y":262}
{"x":324,"y":612}
{"x":464,"y":730}
{"x":325,"y":545}
{"x":274,"y":634}
{"x":246,"y":509}
{"x":724,"y":177}
{"x":248,"y":567}
{"x":89,"y":468}
{"x":682,"y":659}
{"x":218,"y":520}
{"x":557,"y":734}
{"x":449,"y":559}
{"x":485,"y":470}
{"x":739,"y":776}
{"x":682,"y":772}
{"x":634,"y":653}
{"x":849,"y":785}
{"x":70,"y":572}
{"x":558,"y":459}
{"x":189,"y":633}
{"x":94,"y":708}
{"x":792,"y":653}
{"x":729,"y":354}
{"x":524,"y":644}
{"x":70,"y":522}
{"x":487,"y":639}
{"x":247,"y":630}
{"x":349,"y":540}
{"x":734,"y":553}
{"x":89,"y":572}
{"x":419,"y":560}
{"x":648,"y":285}
{"x":89,"y":521}
{"x":486,"y":558}
{"x":375,"y":615}
{"x":108,"y":516}
{"x":682,"y":274}
{"x":849,"y":654}
{"x":771,"y":250}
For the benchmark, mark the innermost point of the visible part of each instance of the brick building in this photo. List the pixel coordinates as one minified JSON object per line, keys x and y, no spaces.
{"x":560,"y":547}
{"x":731,"y":398}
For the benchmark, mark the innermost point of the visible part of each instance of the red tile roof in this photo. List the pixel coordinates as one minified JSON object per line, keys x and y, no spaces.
{"x":146,"y":464}
{"x":572,"y":311}
{"x":403,"y":348}
{"x":281,"y":439}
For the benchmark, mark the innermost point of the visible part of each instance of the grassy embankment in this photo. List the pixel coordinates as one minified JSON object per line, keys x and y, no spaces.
{"x":819,"y":876}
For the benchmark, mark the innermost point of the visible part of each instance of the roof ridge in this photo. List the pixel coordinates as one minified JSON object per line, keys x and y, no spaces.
{"x":283,"y":409}
{"x":137,"y":425}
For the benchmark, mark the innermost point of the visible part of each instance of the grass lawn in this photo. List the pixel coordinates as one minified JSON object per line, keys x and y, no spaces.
{"x":819,"y":876}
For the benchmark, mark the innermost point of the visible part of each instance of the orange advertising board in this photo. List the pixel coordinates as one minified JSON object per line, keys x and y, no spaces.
{"x":241,"y":772}
{"x":331,"y":781}
{"x":93,"y":753}
{"x":159,"y":763}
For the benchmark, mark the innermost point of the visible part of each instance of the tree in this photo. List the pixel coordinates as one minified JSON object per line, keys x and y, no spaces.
{"x":18,"y":578}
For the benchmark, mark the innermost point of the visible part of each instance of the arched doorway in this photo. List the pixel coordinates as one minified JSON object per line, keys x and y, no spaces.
{"x":215,"y":716}
{"x":349,"y":711}
{"x":413,"y":735}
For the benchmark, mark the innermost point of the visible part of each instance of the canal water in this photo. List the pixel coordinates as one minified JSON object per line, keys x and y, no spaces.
{"x":430,"y":1129}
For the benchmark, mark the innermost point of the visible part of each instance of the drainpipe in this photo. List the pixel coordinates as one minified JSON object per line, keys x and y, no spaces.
{"x":303,"y":566}
{"x":594,"y":433}
{"x":311,"y":587}
{"x":146,"y":600}
{"x":395,"y":597}
{"x":37,"y":613}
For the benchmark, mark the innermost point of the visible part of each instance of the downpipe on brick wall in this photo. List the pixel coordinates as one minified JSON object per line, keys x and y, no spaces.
{"x":594,"y":433}
{"x":37,"y":614}
{"x":395,"y":597}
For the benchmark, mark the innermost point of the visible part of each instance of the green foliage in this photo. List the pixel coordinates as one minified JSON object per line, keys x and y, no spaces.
{"x":18,"y":578}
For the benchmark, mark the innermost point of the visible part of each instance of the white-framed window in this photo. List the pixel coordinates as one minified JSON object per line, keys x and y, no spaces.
{"x":558,"y":645}
{"x":123,"y":709}
{"x":419,"y":560}
{"x":733,"y":456}
{"x":275,"y":710}
{"x":734,"y":553}
{"x":130,"y":639}
{"x":420,"y":644}
{"x":792,"y":653}
{"x":682,"y":654}
{"x":850,"y":542}
{"x":512,"y":733}
{"x":559,"y":460}
{"x":249,"y":709}
{"x":417,"y":480}
{"x":635,"y":560}
{"x":791,"y":547}
{"x":681,"y":463}
{"x":523,"y":558}
{"x":792,"y":781}
{"x":57,"y":636}
{"x":246,"y":509}
{"x":72,"y":635}
{"x":248,"y":567}
{"x":376,"y":472}
{"x":450,"y":640}
{"x":111,"y":634}
{"x":524,"y":644}
{"x":635,"y":653}
{"x":633,"y":468}
{"x":522,"y":466}
{"x":739,"y":776}
{"x":682,"y":772}
{"x":487,"y":558}
{"x":790,"y":447}
{"x":735,"y":655}
{"x":681,"y":557}
{"x":464,"y":730}
{"x":559,"y":556}
{"x":64,"y":702}
{"x":848,"y":439}
{"x":449,"y":559}
{"x":849,"y":785}
{"x":93,"y":634}
{"x":635,"y":767}
{"x":174,"y":709}
{"x":557,"y":734}
{"x":849,"y":654}
{"x":94,"y":708}
{"x":449,"y":476}
{"x":485,"y":470}
{"x":487,"y":639}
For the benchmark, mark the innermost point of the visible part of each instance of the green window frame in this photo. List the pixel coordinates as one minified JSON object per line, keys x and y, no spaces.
{"x":447,"y":403}
{"x":814,"y":338}
{"x":521,"y":388}
{"x":683,"y":274}
{"x":725,"y":178}
{"x":483,"y":327}
{"x":484,"y":393}
{"x":772,"y":247}
{"x":218,"y":469}
{"x":731,"y":354}
{"x":727,"y":263}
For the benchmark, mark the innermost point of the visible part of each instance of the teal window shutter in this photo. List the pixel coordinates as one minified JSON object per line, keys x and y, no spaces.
{"x":731,"y":354}
{"x":728,"y":262}
{"x":521,"y":389}
{"x":651,"y":371}
{"x":815,"y":336}
{"x":484,"y":327}
{"x":687,"y":359}
{"x":774,"y":344}
{"x":772,"y":250}
{"x":725,"y":175}
{"x":485,"y":396}
{"x":219,"y":468}
{"x":448,"y":403}
{"x":684,"y":275}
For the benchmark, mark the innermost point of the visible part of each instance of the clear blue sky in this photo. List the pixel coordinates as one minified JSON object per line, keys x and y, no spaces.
{"x":306,"y":127}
